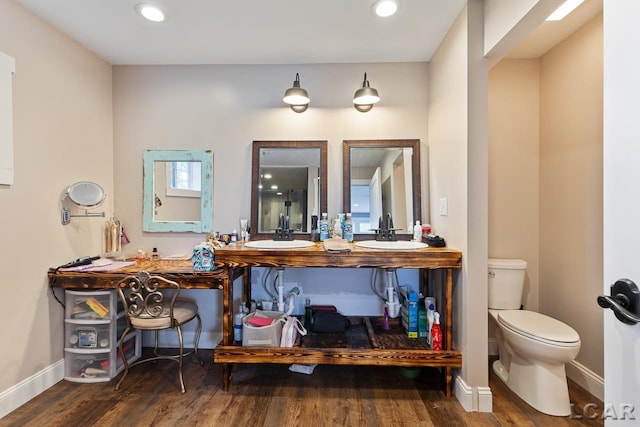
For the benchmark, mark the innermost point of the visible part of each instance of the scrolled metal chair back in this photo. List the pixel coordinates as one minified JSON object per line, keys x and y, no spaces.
{"x":142,"y":296}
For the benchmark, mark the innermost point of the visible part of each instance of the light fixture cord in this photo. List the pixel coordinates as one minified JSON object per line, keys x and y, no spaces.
{"x":365,"y":83}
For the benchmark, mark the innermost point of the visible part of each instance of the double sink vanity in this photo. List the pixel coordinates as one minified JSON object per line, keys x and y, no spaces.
{"x":290,"y":177}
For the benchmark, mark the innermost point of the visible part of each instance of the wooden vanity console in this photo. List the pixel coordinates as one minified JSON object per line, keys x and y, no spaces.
{"x":365,"y":343}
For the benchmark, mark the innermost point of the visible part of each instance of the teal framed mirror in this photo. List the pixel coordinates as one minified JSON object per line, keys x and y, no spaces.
{"x":178,"y":191}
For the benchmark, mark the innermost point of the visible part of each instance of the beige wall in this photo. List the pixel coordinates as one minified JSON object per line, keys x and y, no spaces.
{"x":62,"y":114}
{"x":545,"y":193}
{"x":514,"y":122}
{"x":571,"y":187}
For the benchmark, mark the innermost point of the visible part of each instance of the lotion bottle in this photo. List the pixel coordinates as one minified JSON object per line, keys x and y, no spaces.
{"x":417,"y":232}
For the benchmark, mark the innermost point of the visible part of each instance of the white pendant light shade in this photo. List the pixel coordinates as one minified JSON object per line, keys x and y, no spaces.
{"x":296,"y":97}
{"x":365,"y":97}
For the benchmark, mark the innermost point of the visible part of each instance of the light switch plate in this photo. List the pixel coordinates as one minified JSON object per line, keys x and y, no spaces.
{"x":444,"y":206}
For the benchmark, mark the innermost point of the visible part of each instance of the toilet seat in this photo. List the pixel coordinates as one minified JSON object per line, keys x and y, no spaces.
{"x":539,"y":327}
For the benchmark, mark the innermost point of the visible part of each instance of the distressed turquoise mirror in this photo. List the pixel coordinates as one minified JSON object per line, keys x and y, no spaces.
{"x":178,"y":188}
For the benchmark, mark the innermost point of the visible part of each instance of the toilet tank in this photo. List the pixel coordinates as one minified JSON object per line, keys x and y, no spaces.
{"x":506,"y":283}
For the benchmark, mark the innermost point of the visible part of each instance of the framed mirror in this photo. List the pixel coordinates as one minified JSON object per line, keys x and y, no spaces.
{"x":381,"y":177}
{"x":178,"y":187}
{"x":289,"y":178}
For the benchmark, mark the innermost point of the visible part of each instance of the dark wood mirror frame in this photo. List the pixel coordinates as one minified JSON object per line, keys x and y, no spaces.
{"x":347,"y":145}
{"x":255,"y":179}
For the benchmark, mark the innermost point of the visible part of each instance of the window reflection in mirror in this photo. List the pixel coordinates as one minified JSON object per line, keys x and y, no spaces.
{"x":289,"y":178}
{"x":177,"y":191}
{"x":382,"y":177}
{"x":178,"y":188}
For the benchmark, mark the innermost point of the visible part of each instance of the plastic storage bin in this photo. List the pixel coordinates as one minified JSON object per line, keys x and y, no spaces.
{"x":94,"y":321}
{"x":263,"y":336}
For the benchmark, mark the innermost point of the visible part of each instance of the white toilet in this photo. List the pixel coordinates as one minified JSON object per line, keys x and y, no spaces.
{"x":533,"y":348}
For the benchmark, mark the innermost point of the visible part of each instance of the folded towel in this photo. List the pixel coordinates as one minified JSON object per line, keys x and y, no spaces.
{"x":336,"y":245}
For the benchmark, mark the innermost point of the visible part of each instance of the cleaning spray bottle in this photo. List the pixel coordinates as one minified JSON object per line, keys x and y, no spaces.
{"x":237,"y":324}
{"x":436,"y":333}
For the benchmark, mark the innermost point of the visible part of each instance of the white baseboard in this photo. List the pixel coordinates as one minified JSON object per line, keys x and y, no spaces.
{"x":586,"y":378}
{"x":463,"y":393}
{"x":478,"y":400}
{"x":27,"y":389}
{"x":485,"y":399}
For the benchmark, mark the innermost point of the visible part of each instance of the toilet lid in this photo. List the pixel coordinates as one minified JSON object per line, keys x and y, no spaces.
{"x":537,"y":326}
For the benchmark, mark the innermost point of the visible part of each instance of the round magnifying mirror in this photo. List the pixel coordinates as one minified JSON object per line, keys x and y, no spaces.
{"x":86,"y":194}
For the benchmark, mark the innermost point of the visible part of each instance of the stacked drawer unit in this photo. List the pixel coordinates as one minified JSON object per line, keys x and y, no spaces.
{"x":94,"y":322}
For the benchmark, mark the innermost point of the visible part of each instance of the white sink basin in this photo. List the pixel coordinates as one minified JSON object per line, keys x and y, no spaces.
{"x":278,"y":244}
{"x":400,"y":245}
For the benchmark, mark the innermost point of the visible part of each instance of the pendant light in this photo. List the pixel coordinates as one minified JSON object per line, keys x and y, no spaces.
{"x":296,"y":97}
{"x":365,"y":97}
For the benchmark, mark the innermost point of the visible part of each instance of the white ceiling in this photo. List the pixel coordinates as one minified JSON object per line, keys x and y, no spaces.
{"x":252,"y":31}
{"x":273,"y":31}
{"x":548,"y":34}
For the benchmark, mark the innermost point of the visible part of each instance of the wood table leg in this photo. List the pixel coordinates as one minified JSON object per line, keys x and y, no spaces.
{"x":226,"y":376}
{"x":227,"y":325}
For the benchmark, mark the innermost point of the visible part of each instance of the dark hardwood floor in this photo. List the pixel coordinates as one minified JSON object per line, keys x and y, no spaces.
{"x":271,"y":395}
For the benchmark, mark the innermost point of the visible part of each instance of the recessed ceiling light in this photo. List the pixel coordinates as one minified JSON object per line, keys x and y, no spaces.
{"x":384,"y":8}
{"x":565,"y":8}
{"x":150,"y":12}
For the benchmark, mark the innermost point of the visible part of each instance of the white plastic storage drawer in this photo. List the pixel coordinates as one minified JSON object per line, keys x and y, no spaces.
{"x":88,"y":365}
{"x":98,"y":305}
{"x":92,"y":326}
{"x":83,"y":335}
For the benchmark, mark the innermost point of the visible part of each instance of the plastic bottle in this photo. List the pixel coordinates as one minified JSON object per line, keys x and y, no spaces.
{"x":436,"y":333}
{"x":237,"y":324}
{"x":307,"y":314}
{"x":337,"y":227}
{"x":385,"y":320}
{"x":417,"y":232}
{"x":430,"y":320}
{"x":314,"y":228}
{"x":324,"y":227}
{"x":348,"y":228}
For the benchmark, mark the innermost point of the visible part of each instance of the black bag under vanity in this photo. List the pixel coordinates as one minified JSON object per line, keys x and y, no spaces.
{"x":329,"y":322}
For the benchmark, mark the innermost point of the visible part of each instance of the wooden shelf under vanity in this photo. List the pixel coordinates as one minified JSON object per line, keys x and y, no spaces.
{"x":361,"y":345}
{"x":364,"y":343}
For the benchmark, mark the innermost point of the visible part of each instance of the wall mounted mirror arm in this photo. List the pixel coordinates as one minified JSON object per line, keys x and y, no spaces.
{"x":288,"y":178}
{"x":83,"y":194}
{"x":381,"y":178}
